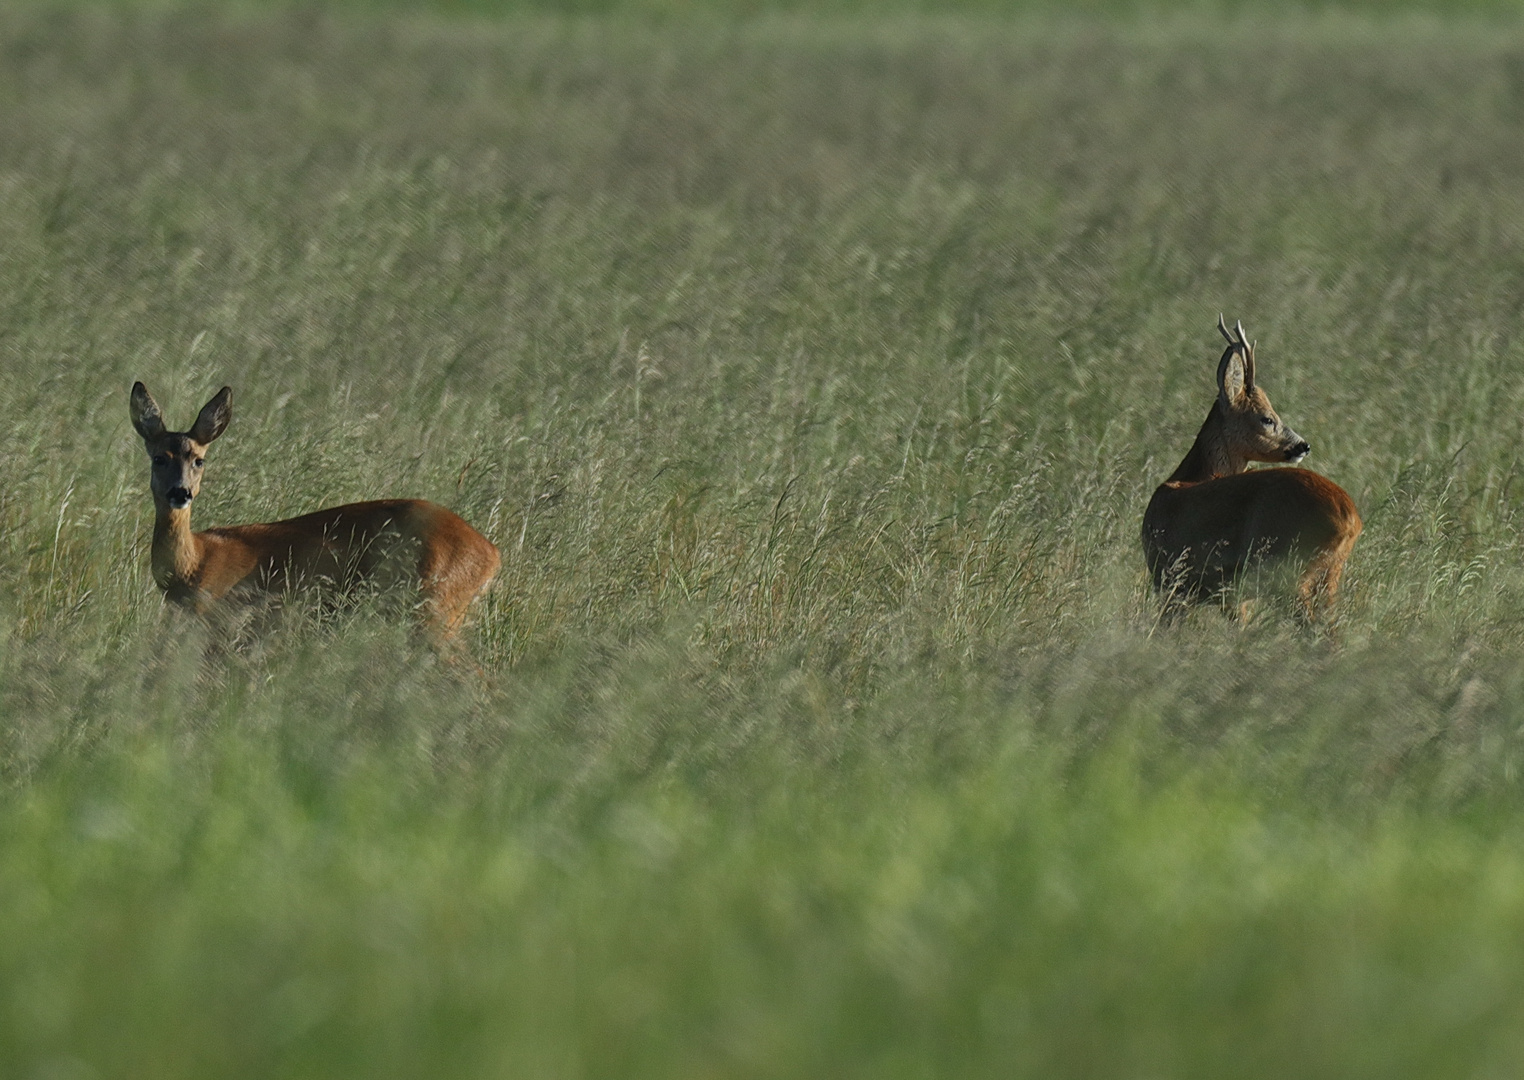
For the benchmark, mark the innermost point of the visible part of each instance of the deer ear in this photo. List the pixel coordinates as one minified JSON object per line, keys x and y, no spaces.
{"x":146,"y":416}
{"x":1230,"y":377}
{"x":214,"y":417}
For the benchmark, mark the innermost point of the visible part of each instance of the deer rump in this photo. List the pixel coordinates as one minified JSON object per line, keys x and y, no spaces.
{"x":1198,"y":538}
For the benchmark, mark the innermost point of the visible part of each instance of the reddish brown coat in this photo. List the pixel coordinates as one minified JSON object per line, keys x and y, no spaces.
{"x":391,"y":544}
{"x":1212,"y":519}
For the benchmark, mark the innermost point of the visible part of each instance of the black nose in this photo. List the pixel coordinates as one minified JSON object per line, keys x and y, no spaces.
{"x":178,"y":497}
{"x":1300,"y":450}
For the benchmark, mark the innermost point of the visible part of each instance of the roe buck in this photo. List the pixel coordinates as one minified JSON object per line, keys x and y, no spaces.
{"x":1212,"y":518}
{"x":394,"y":544}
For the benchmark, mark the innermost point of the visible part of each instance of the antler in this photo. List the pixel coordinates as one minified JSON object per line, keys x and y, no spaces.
{"x":1248,"y":347}
{"x":1236,"y":338}
{"x":1240,"y":345}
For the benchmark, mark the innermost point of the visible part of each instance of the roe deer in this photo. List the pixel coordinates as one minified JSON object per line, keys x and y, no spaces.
{"x":1212,"y":518}
{"x":391,"y":544}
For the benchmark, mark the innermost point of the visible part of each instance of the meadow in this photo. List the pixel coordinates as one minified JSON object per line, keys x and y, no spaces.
{"x":812,"y":373}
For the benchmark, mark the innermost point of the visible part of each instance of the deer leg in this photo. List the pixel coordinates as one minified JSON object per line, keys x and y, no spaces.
{"x":450,"y":582}
{"x":1318,"y":587}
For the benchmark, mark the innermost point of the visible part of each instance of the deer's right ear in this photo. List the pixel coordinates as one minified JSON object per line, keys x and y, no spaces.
{"x":214,"y":417}
{"x":1230,"y":377}
{"x":146,"y":416}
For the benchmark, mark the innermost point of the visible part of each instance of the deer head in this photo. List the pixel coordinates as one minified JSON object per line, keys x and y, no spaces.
{"x":1251,"y":430}
{"x":177,"y":457}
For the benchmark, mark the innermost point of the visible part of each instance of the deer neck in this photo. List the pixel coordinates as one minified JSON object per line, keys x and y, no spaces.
{"x":1210,"y":456}
{"x":176,"y":550}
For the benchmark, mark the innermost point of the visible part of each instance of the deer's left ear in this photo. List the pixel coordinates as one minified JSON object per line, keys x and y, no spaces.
{"x":146,"y":416}
{"x":214,"y":417}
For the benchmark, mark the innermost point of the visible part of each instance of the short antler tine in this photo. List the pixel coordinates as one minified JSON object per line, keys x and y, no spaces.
{"x":1222,"y":328}
{"x":1238,"y":328}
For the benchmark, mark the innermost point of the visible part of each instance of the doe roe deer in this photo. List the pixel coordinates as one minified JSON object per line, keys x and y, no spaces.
{"x":1213,"y":519}
{"x":392,"y":544}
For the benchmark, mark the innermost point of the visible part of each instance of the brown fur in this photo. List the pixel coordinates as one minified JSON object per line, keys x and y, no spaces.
{"x":1213,"y":519}
{"x":391,"y":544}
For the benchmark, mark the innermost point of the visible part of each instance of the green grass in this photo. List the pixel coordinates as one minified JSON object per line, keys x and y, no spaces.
{"x":687,"y":11}
{"x":812,"y":376}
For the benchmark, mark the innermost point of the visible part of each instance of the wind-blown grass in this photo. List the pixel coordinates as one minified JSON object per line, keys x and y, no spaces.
{"x":812,"y":377}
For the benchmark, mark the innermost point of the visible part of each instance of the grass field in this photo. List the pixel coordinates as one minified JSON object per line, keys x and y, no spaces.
{"x":812,"y":374}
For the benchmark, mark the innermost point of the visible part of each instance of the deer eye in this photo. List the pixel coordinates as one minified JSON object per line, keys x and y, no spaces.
{"x":1268,"y":421}
{"x":200,"y":462}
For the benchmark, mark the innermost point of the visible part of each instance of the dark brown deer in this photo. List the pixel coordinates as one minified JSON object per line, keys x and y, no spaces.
{"x":1213,"y":518}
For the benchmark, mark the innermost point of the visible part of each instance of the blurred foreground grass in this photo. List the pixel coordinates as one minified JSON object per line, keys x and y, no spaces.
{"x":812,"y":377}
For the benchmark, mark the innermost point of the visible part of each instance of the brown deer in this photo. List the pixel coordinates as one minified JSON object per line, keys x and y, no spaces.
{"x":392,"y":544}
{"x":1213,"y":519}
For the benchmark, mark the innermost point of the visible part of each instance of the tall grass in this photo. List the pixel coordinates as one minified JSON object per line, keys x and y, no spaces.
{"x":812,"y":377}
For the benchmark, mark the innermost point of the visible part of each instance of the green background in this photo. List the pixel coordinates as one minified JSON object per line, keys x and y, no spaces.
{"x":811,"y":370}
